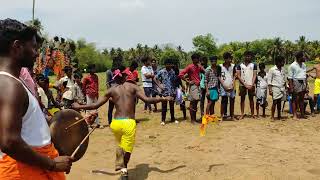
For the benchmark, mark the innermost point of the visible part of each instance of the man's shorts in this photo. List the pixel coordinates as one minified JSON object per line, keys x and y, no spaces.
{"x":194,"y":93}
{"x":299,"y":86}
{"x":278,"y":93}
{"x":317,"y":86}
{"x":213,"y":94}
{"x":223,"y":93}
{"x":124,"y":131}
{"x":243,"y":91}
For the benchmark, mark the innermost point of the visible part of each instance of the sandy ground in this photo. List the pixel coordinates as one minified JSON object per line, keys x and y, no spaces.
{"x":246,"y":149}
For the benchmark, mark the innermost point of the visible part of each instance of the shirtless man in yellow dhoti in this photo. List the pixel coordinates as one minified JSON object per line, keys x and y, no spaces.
{"x":123,"y":125}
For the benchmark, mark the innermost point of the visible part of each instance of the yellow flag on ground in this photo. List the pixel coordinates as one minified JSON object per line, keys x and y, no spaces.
{"x":205,"y":120}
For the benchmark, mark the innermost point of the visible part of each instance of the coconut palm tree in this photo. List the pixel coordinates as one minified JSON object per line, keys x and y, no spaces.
{"x":276,"y":49}
{"x":288,"y":51}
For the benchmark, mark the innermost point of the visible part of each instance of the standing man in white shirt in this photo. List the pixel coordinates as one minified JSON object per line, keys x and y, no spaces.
{"x":297,"y":75}
{"x":247,"y":74}
{"x":277,"y":85}
{"x":147,"y":76}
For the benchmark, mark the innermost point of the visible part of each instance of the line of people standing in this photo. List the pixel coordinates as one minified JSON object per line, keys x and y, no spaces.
{"x":219,"y":80}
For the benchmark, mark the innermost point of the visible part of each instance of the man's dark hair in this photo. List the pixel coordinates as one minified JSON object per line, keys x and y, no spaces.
{"x":91,"y":66}
{"x":144,"y":59}
{"x":227,"y":55}
{"x":11,"y":30}
{"x":62,"y":40}
{"x":299,"y":55}
{"x":168,"y":61}
{"x":279,"y":59}
{"x":121,"y":68}
{"x":213,"y":58}
{"x":46,"y":80}
{"x":39,"y":77}
{"x":76,"y":75}
{"x":195,"y":56}
{"x":248,"y":53}
{"x":262,"y":66}
{"x":56,"y":38}
{"x":204,"y":59}
{"x":134,"y":64}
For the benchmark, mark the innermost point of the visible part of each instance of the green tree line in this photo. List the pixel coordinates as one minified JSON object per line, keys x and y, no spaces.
{"x":265,"y":50}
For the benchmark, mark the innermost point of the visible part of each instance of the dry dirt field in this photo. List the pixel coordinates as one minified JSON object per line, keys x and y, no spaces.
{"x":247,"y":149}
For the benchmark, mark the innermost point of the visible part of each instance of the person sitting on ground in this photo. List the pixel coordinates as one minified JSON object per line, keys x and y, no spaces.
{"x":316,"y":91}
{"x":167,"y":78}
{"x":310,"y":100}
{"x":123,"y":125}
{"x":50,"y":106}
{"x":277,"y":85}
{"x":261,"y":91}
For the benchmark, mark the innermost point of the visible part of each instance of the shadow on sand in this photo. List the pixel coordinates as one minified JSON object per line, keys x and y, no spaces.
{"x":140,"y":172}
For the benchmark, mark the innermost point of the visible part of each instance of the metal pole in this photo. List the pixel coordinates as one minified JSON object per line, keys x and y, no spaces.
{"x":33,"y":11}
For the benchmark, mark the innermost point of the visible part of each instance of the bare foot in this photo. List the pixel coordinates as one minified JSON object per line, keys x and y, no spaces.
{"x":272,"y":119}
{"x":241,"y":117}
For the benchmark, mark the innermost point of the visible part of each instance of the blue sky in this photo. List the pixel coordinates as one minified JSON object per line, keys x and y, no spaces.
{"x":124,"y":23}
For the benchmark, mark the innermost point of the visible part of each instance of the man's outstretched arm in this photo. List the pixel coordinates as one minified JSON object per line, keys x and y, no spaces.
{"x":151,"y":100}
{"x":101,"y":101}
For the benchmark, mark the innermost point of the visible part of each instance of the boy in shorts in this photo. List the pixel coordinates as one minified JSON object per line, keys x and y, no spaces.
{"x":226,"y":73}
{"x":247,"y":74}
{"x":262,"y":87}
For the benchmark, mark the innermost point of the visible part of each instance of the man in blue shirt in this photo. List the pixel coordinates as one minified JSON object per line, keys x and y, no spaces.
{"x":167,"y":78}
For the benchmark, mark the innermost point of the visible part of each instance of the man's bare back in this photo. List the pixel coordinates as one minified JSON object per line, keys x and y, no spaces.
{"x":124,"y":97}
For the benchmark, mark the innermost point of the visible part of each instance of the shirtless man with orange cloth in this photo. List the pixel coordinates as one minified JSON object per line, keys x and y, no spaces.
{"x":26,"y":150}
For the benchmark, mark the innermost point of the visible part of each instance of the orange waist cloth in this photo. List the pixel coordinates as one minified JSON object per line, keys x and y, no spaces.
{"x":10,"y":169}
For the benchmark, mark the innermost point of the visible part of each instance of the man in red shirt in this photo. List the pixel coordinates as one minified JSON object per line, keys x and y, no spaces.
{"x":132,"y":73}
{"x":90,"y":86}
{"x":193,"y":79}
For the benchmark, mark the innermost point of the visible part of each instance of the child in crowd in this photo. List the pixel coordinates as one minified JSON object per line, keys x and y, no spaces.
{"x":212,"y":84}
{"x":261,"y":91}
{"x":78,"y":91}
